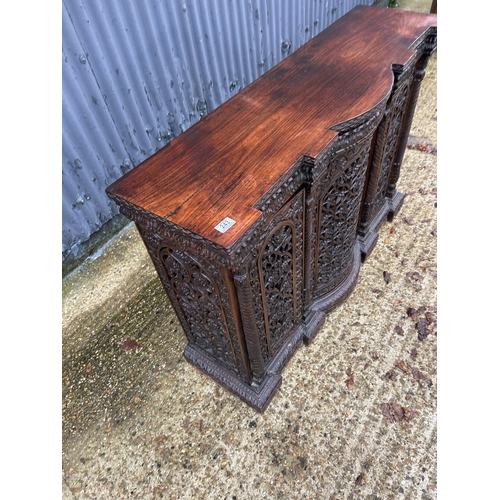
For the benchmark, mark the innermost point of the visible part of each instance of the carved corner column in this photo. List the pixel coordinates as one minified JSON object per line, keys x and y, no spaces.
{"x":313,"y":318}
{"x":394,"y":198}
{"x":263,"y":385}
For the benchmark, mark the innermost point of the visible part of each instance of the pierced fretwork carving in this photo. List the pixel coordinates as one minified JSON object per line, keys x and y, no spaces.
{"x":374,"y":208}
{"x":200,"y":297}
{"x":201,"y":303}
{"x":381,"y":200}
{"x":277,"y":275}
{"x":276,"y":278}
{"x":425,"y":50}
{"x":394,"y":127}
{"x":338,"y":211}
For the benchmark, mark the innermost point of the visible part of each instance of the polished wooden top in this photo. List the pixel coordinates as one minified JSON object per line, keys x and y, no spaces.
{"x":224,"y":164}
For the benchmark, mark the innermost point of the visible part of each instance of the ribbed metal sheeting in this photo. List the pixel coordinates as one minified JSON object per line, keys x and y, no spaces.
{"x":136,"y":74}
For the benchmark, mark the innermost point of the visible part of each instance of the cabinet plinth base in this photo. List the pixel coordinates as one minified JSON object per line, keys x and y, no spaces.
{"x":395,"y":205}
{"x":369,"y":239}
{"x":257,"y":397}
{"x":313,"y":324}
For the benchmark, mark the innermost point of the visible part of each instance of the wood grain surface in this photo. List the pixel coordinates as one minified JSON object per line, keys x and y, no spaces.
{"x":224,"y":164}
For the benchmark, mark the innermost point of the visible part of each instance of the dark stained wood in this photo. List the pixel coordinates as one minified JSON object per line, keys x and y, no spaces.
{"x":223,"y":165}
{"x":306,"y":161}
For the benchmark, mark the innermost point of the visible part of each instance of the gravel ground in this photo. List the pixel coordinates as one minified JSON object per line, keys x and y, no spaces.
{"x":355,"y":417}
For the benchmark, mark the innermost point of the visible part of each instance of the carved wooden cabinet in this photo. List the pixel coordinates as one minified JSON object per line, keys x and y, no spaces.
{"x":257,"y":218}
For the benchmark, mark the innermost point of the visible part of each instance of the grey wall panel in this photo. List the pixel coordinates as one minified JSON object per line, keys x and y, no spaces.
{"x":137,"y":74}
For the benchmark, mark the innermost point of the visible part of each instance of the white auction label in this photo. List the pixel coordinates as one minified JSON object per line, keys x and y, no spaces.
{"x":224,"y":225}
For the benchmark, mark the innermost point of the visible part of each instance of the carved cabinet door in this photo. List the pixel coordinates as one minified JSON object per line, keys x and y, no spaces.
{"x":337,"y":198}
{"x":276,"y":284}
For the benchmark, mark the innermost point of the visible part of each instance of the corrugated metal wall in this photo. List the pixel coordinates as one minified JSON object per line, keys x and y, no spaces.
{"x":136,"y":74}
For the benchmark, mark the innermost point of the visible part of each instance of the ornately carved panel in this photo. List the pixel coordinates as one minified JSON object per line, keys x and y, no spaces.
{"x":424,"y":52}
{"x":200,"y":298}
{"x":337,"y":217}
{"x":390,"y":141}
{"x":276,"y":277}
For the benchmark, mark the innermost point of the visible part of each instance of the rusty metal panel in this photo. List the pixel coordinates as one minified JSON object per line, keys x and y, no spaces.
{"x":138,"y":74}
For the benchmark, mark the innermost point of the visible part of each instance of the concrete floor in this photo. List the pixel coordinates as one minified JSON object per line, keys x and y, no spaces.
{"x":143,"y":423}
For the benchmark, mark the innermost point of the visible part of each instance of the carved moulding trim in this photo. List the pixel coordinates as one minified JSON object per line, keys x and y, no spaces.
{"x":173,"y":233}
{"x":351,"y":128}
{"x":258,"y":397}
{"x":426,"y":42}
{"x":403,"y":74}
{"x":273,"y":211}
{"x":253,"y":239}
{"x":289,"y":184}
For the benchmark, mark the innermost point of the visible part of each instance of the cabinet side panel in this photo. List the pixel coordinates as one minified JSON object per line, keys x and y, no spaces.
{"x":198,"y":294}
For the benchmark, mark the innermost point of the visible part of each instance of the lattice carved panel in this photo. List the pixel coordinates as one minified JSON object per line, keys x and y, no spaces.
{"x":203,"y":304}
{"x":395,"y":117}
{"x":277,"y":278}
{"x":338,"y":212}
